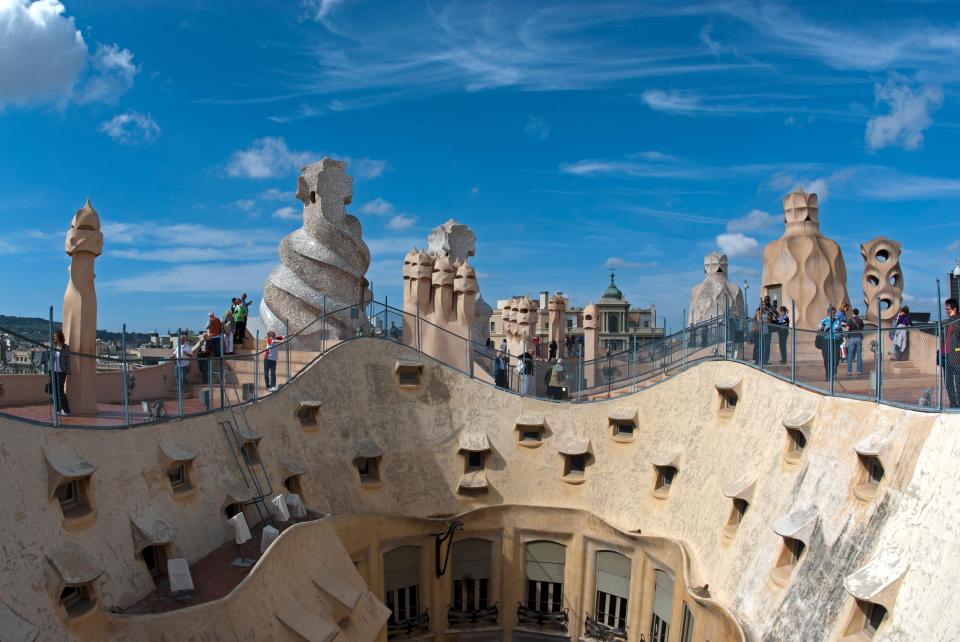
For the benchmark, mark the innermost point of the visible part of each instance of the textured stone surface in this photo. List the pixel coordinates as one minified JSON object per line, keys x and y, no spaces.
{"x":83,"y":245}
{"x":458,"y":243}
{"x":520,"y":324}
{"x":882,"y":279}
{"x":439,"y":302}
{"x":807,"y":265}
{"x":322,"y":264}
{"x":716,"y":294}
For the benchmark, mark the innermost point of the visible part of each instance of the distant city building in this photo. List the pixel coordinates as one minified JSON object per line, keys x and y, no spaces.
{"x":953,"y":278}
{"x":621,"y":326}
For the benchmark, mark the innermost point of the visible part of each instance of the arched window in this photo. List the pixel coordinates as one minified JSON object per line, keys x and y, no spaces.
{"x":471,"y":574}
{"x":613,"y":322}
{"x":662,"y":606}
{"x":544,"y":573}
{"x":613,"y":589}
{"x":401,"y":583}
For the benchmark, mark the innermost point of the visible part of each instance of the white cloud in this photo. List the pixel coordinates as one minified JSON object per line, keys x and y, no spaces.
{"x":909,"y":115}
{"x":323,"y":8}
{"x":244,"y":204}
{"x":537,"y":127}
{"x":617,"y":262}
{"x":44,"y":58}
{"x":392,"y":245}
{"x":287,"y":214}
{"x":366,"y":168}
{"x":185,"y":278}
{"x":754,"y":221}
{"x":274,"y":194}
{"x":131,"y":128}
{"x":377,"y":207}
{"x":401,"y":222}
{"x":111,"y":76}
{"x":673,"y":102}
{"x":266,"y":157}
{"x":736,"y":245}
{"x":163,"y":235}
{"x":6,"y":247}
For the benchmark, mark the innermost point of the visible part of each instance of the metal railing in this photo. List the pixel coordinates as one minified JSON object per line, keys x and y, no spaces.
{"x":897,"y":366}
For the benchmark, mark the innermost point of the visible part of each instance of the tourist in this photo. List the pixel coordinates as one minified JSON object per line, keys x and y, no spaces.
{"x":900,"y":336}
{"x":553,"y":349}
{"x":182,"y":354}
{"x":854,"y":336}
{"x":229,"y":326}
{"x":829,"y":336}
{"x":270,"y":361}
{"x":951,"y":352}
{"x":526,"y":375}
{"x":500,"y":370}
{"x":204,"y":350}
{"x":214,"y":330}
{"x":536,"y":345}
{"x":61,"y":368}
{"x":503,"y":347}
{"x":783,"y":331}
{"x":239,"y":320}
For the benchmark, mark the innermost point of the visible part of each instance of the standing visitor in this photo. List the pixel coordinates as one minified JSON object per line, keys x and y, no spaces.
{"x":899,"y":335}
{"x":951,"y":353}
{"x":61,"y":368}
{"x":182,"y":355}
{"x":783,"y":331}
{"x":214,"y":330}
{"x":829,"y":335}
{"x":240,"y":320}
{"x":503,"y":346}
{"x":526,"y":375}
{"x":553,"y":349}
{"x":500,"y":370}
{"x":536,"y":345}
{"x":270,"y":361}
{"x":204,"y":350}
{"x":854,"y":332}
{"x":229,"y":327}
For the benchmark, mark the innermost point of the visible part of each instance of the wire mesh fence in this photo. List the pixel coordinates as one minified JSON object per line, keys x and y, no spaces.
{"x":899,"y":366}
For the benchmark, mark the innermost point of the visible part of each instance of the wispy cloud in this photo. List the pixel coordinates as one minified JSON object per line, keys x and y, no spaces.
{"x":537,"y":127}
{"x":131,"y":128}
{"x":401,"y":222}
{"x":193,"y":277}
{"x":909,"y":115}
{"x":617,"y":262}
{"x":270,"y":157}
{"x":738,"y":245}
{"x":287,"y":213}
{"x":377,"y":207}
{"x":753,"y":221}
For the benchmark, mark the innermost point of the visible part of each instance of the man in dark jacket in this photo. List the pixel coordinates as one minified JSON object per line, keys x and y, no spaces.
{"x":951,"y":352}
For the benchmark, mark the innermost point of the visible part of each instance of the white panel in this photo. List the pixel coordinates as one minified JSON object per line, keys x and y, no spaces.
{"x":545,"y":561}
{"x":401,"y":568}
{"x":663,"y":596}
{"x":613,"y":573}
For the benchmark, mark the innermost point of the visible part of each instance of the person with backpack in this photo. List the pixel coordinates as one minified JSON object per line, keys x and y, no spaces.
{"x":240,"y":311}
{"x":829,"y":336}
{"x":61,"y":369}
{"x":270,"y":361}
{"x":526,"y":375}
{"x":854,"y":330}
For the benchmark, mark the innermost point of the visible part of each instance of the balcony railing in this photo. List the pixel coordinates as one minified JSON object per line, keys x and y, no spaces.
{"x":487,"y":616}
{"x":557,"y":620}
{"x":410,"y":626}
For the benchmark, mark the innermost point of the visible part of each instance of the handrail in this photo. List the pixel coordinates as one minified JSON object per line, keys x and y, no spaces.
{"x":724,"y":337}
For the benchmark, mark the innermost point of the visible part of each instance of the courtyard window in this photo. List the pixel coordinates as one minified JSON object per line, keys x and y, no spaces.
{"x":471,"y":575}
{"x":544,"y":566}
{"x":401,"y":584}
{"x":613,"y":590}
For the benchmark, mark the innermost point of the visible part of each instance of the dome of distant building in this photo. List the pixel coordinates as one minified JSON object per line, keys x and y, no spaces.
{"x":612,"y":293}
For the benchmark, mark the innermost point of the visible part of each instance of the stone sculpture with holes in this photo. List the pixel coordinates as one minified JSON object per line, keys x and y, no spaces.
{"x":882,"y":279}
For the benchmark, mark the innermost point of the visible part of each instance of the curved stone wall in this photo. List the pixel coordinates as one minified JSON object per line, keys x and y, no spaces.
{"x":903,"y":524}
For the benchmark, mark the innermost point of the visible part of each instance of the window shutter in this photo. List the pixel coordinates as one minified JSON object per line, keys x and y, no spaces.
{"x":613,"y":574}
{"x":401,"y":568}
{"x":663,"y":595}
{"x":545,"y":561}
{"x":471,"y":559}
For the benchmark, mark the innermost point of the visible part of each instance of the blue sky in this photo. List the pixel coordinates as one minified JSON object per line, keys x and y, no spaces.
{"x":571,"y":137}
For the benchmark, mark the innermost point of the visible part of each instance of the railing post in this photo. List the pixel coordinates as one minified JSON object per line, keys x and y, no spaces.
{"x":286,"y":345}
{"x":54,"y":393}
{"x":879,"y":356}
{"x":223,"y":392}
{"x":323,"y":327}
{"x":418,"y":332}
{"x":256,"y":365}
{"x":941,"y":358}
{"x":123,"y":374}
{"x":683,"y":343}
{"x":180,"y":380}
{"x":830,"y":349}
{"x":760,"y":339}
{"x":792,"y":326}
{"x":726,"y":326}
